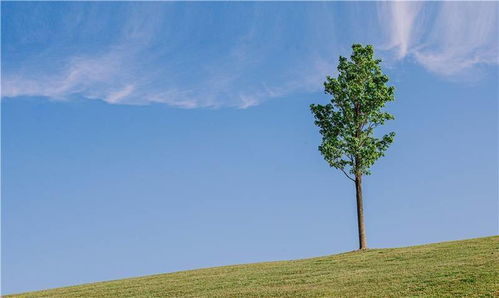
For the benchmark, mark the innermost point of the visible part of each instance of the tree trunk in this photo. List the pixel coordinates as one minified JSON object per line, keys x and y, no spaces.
{"x":360,"y":213}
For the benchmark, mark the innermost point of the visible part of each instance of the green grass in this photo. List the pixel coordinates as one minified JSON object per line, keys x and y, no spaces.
{"x":457,"y":268}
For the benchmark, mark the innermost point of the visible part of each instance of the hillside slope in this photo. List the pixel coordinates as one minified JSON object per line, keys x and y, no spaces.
{"x":458,"y":268}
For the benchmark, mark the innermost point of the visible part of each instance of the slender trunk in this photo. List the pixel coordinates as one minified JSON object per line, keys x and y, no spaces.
{"x":360,"y":213}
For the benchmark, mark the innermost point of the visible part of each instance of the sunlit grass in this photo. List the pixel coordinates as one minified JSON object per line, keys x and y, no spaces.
{"x":458,"y":268}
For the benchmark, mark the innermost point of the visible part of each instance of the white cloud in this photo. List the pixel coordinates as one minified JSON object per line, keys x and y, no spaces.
{"x":144,"y":61}
{"x":401,"y":19}
{"x":96,"y":77}
{"x":452,"y":42}
{"x":116,"y":96}
{"x":465,"y":35}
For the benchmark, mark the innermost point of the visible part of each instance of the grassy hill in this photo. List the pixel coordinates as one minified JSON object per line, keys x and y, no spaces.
{"x":458,"y":268}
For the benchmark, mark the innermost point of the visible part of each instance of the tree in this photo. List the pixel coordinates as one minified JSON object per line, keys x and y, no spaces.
{"x":347,"y":123}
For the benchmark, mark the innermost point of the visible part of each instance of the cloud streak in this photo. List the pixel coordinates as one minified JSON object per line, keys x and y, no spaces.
{"x":201,"y":64}
{"x":451,"y":39}
{"x":193,"y":56}
{"x":91,"y":77}
{"x":401,"y":20}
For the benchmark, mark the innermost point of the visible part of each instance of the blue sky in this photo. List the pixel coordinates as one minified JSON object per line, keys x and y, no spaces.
{"x":141,"y":138}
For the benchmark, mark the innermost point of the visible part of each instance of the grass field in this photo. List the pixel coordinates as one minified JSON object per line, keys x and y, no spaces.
{"x":458,"y":268}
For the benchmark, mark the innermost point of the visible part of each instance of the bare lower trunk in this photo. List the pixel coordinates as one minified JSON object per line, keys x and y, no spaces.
{"x":360,"y":212}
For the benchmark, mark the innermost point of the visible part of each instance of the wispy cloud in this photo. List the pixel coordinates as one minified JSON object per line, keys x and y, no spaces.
{"x":451,"y":39}
{"x":154,"y":60}
{"x":401,"y":20}
{"x":192,"y":56}
{"x":89,"y":77}
{"x":465,"y":35}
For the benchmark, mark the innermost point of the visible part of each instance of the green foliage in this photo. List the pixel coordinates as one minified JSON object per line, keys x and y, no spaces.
{"x":347,"y":123}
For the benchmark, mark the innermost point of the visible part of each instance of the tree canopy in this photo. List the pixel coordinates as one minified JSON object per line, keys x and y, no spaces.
{"x":347,"y":123}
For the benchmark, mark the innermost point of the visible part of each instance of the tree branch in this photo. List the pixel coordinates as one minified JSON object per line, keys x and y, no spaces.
{"x":371,"y":125}
{"x":347,"y":175}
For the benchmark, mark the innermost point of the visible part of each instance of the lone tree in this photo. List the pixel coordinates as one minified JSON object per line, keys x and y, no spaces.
{"x":347,"y":123}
